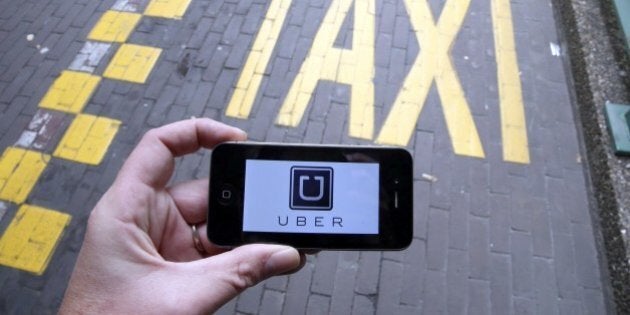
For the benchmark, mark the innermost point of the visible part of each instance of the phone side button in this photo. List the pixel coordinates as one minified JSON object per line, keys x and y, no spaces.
{"x":226,"y":195}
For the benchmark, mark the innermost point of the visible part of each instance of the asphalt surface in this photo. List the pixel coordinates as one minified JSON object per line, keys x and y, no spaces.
{"x":501,"y":216}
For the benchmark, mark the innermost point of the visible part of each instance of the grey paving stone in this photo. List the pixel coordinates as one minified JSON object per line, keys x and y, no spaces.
{"x":522,"y":265}
{"x":423,"y":152}
{"x":324,"y":275}
{"x":414,"y":263}
{"x":368,"y":273}
{"x":335,"y":123}
{"x":318,"y":304}
{"x":271,"y":302}
{"x":479,"y":253}
{"x":200,"y":98}
{"x":345,"y":276}
{"x":435,"y":293}
{"x":478,"y":296}
{"x":249,"y":301}
{"x":362,"y":305}
{"x":570,"y":307}
{"x":500,"y":284}
{"x":239,"y":52}
{"x":458,"y":237}
{"x":232,"y":30}
{"x":421,"y":192}
{"x":523,"y":306}
{"x":585,"y":261}
{"x":457,"y":282}
{"x":546,"y":290}
{"x":437,"y":240}
{"x":389,"y":285}
{"x":298,"y":291}
{"x":500,"y":224}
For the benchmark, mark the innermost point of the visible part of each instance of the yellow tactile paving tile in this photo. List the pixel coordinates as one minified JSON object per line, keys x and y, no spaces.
{"x":19,"y":171}
{"x":170,"y":9}
{"x":70,"y":91}
{"x":31,"y":238}
{"x":87,"y":139}
{"x":114,"y":26}
{"x":132,"y":63}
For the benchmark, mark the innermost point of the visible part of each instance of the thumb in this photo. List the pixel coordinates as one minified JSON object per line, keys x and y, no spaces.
{"x":232,"y":272}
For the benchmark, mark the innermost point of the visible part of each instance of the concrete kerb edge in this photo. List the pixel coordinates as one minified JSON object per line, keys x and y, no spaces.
{"x":588,"y":97}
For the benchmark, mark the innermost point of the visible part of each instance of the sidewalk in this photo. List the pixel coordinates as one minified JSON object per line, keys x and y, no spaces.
{"x":475,"y":89}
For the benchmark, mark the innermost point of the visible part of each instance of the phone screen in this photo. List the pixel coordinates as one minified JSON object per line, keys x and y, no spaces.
{"x":311,"y":197}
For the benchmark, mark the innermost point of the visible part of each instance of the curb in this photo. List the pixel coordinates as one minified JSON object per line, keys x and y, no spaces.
{"x":600,"y":69}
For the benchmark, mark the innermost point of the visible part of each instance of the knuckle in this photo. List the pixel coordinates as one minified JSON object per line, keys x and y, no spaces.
{"x":246,"y":275}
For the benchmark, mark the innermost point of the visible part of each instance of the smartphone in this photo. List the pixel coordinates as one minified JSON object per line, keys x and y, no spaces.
{"x":311,"y":196}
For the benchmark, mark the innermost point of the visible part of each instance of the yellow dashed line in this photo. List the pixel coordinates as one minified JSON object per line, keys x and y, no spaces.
{"x":434,"y":63}
{"x":248,"y":83}
{"x":115,"y":26}
{"x":19,"y":171}
{"x":87,"y":139}
{"x":171,"y":9}
{"x":513,"y":128}
{"x":70,"y":92}
{"x":31,"y":238}
{"x":132,"y":63}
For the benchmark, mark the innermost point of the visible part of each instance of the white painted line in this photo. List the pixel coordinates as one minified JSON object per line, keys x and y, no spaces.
{"x":26,"y":139}
{"x":89,"y":57}
{"x":128,"y":5}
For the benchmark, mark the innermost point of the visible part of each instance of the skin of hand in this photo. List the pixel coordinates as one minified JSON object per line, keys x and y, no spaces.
{"x":138,"y":255}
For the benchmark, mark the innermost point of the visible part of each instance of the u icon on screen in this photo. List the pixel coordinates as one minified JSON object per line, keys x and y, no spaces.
{"x":311,"y":188}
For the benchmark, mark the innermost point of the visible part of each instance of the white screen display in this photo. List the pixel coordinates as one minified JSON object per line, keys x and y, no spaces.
{"x":311,"y":197}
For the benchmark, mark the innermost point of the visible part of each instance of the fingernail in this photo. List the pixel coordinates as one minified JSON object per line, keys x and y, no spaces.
{"x":282,"y":261}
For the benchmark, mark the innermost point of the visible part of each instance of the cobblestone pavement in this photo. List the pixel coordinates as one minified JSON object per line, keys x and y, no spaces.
{"x":475,"y":89}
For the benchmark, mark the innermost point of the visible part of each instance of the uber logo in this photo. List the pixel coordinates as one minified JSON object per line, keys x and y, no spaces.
{"x":311,"y":188}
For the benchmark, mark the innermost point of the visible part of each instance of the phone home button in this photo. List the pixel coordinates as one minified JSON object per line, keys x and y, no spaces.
{"x":226,"y":194}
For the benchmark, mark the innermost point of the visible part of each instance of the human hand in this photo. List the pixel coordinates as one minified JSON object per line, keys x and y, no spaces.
{"x":138,"y":255}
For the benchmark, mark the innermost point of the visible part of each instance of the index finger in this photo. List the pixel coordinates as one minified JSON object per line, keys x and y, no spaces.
{"x":153,"y":159}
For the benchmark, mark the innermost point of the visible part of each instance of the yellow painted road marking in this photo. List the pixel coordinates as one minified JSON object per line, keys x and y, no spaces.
{"x":132,"y":63}
{"x":19,"y":171}
{"x":87,"y":139}
{"x":240,"y":105}
{"x":354,"y":67}
{"x":70,"y":92}
{"x":513,"y":127}
{"x":115,"y":26}
{"x":171,"y":9}
{"x":434,"y":62}
{"x":30,"y":239}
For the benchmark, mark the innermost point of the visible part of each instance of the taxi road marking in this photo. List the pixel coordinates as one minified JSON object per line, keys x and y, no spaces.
{"x":513,"y":127}
{"x":31,"y":238}
{"x":433,"y":64}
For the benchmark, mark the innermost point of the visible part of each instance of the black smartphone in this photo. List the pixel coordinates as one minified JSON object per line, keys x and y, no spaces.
{"x":311,"y":196}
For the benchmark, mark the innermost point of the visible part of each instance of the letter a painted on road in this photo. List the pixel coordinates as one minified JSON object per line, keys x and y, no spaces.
{"x":354,"y":67}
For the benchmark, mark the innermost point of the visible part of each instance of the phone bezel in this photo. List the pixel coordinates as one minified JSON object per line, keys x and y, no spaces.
{"x":225,"y":220}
